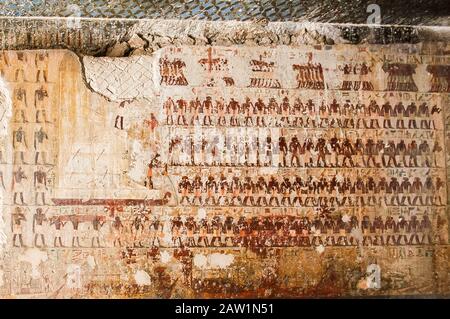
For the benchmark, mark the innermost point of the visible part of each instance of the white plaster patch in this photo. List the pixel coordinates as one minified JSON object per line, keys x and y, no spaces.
{"x":200,"y":261}
{"x":320,"y":249}
{"x":167,"y":238}
{"x":165,"y":257}
{"x":142,"y":278}
{"x":5,"y":114}
{"x":217,"y":260}
{"x":357,"y":234}
{"x":3,"y":237}
{"x":201,"y":213}
{"x":373,"y":276}
{"x":73,"y":280}
{"x":5,"y":107}
{"x":34,"y":256}
{"x":139,"y":158}
{"x":91,"y":261}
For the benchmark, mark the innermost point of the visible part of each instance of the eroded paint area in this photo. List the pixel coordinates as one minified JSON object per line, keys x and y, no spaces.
{"x":224,"y":172}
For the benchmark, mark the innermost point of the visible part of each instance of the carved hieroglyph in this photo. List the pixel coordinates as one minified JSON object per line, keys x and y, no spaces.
{"x":224,"y":172}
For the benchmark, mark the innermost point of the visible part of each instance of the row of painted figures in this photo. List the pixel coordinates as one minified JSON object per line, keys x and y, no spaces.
{"x":143,"y":229}
{"x":297,"y":114}
{"x":336,"y":190}
{"x":243,"y":150}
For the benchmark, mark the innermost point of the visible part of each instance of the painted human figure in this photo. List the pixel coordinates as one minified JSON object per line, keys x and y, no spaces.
{"x":423,"y":112}
{"x":268,"y":152}
{"x":273,"y":188}
{"x":191,"y":228}
{"x":386,"y":111}
{"x":156,"y":228}
{"x":39,"y":221}
{"x":403,"y":230}
{"x":359,"y":151}
{"x":211,"y":189}
{"x":414,"y":228}
{"x":297,"y":186}
{"x":169,"y":107}
{"x":366,"y":227}
{"x":223,"y":190}
{"x":75,"y":230}
{"x":20,"y":104}
{"x":399,"y":110}
{"x":233,"y":108}
{"x":321,"y":150}
{"x":20,"y":63}
{"x":248,"y":188}
{"x":390,"y":228}
{"x":154,"y":162}
{"x":390,"y":151}
{"x":182,"y":106}
{"x":229,"y":229}
{"x":221,"y":108}
{"x":437,"y":196}
{"x":335,"y":150}
{"x":2,"y":180}
{"x":20,"y":144}
{"x":194,"y":109}
{"x":347,"y":150}
{"x":236,"y":188}
{"x":137,"y":228}
{"x":117,"y":228}
{"x":285,"y":111}
{"x":59,"y":224}
{"x":41,"y":104}
{"x":152,"y":124}
{"x":374,"y":111}
{"x":283,"y":150}
{"x":416,"y":191}
{"x":197,"y":186}
{"x":4,"y":62}
{"x":40,"y":140}
{"x":216,"y":227}
{"x":207,"y":111}
{"x":18,"y":184}
{"x":295,"y":148}
{"x":296,"y":113}
{"x":203,"y":233}
{"x":260,"y":111}
{"x":248,"y":109}
{"x":394,"y":190}
{"x":97,"y":224}
{"x":436,"y":154}
{"x":41,"y":62}
{"x":18,"y":220}
{"x":426,"y":227}
{"x":341,"y":227}
{"x":118,"y":123}
{"x":425,"y":152}
{"x":405,"y":190}
{"x":184,"y":188}
{"x":413,"y":151}
{"x":285,"y":189}
{"x":378,"y":226}
{"x":273,"y":111}
{"x":40,"y":184}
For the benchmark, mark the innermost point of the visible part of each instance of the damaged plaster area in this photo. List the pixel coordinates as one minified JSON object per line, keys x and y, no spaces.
{"x":180,"y":159}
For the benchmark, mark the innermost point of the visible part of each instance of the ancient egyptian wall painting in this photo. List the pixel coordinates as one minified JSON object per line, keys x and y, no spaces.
{"x":224,"y":172}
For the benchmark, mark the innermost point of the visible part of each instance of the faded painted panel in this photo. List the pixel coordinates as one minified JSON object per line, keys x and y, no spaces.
{"x":225,"y":172}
